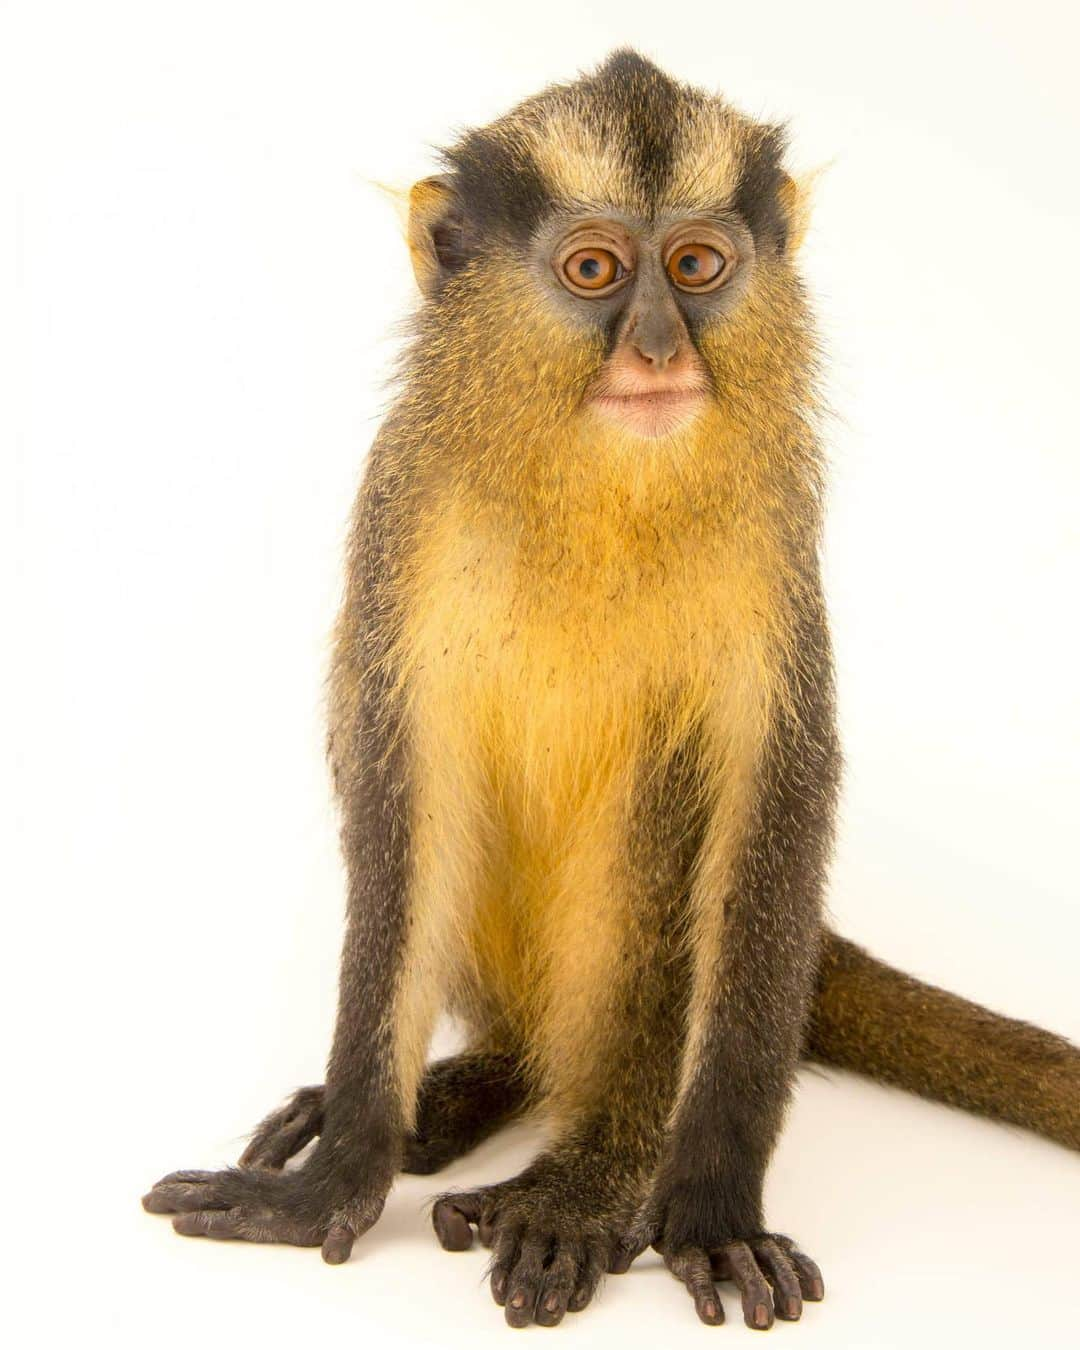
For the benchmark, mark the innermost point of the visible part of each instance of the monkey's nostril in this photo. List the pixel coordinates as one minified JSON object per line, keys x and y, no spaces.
{"x":654,"y":357}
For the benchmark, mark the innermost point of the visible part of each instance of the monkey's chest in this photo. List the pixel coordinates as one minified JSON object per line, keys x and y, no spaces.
{"x":544,"y":697}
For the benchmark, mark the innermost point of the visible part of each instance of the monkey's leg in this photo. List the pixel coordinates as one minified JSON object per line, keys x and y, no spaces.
{"x":461,"y":1102}
{"x":878,"y":1021}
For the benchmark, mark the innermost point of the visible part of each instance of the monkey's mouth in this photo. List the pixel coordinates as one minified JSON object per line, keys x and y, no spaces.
{"x":656,"y":413}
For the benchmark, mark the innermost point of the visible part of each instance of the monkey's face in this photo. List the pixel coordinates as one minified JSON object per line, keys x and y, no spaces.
{"x":649,"y":288}
{"x":612,"y":260}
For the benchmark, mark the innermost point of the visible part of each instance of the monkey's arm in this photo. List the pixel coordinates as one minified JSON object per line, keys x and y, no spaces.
{"x":339,"y":1191}
{"x":755,"y":975}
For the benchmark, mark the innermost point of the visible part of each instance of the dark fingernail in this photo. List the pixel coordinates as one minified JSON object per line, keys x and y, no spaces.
{"x":794,"y":1308}
{"x":551,"y":1303}
{"x":498,"y":1285}
{"x":817,"y":1289}
{"x":761,"y":1315}
{"x":518,"y":1301}
{"x":709,"y":1308}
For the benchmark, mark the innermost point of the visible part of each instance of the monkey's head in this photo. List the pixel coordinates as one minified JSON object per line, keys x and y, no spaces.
{"x":613,"y":254}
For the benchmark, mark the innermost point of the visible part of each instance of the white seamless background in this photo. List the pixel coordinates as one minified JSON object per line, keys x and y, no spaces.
{"x":202,"y":288}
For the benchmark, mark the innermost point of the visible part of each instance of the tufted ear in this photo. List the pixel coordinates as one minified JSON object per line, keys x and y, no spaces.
{"x":796,"y":197}
{"x":436,"y":233}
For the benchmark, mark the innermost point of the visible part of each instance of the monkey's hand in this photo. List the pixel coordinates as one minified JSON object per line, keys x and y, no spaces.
{"x":328,"y":1202}
{"x":700,"y":1247}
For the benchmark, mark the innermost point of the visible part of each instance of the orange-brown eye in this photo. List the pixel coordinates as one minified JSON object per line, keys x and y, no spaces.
{"x":694,"y":265}
{"x":591,"y":269}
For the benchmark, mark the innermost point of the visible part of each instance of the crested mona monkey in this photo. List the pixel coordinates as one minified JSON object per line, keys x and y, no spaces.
{"x":583,"y":739}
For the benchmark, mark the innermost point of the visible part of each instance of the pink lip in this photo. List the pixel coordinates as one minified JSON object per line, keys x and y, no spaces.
{"x":656,"y":413}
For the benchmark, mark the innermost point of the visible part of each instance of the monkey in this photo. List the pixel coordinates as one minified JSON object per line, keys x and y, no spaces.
{"x":582,"y":734}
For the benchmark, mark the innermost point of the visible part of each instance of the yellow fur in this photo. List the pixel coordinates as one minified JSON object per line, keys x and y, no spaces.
{"x":579,"y":164}
{"x":535,"y":670}
{"x":577,"y":605}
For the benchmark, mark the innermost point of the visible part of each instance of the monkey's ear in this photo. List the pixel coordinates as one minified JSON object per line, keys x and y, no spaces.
{"x":436,"y":233}
{"x":796,"y":198}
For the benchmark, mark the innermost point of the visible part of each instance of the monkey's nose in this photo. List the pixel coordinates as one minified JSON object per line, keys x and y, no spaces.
{"x":657,"y":352}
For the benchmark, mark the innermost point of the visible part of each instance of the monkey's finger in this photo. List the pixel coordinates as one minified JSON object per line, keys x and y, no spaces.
{"x":558,"y":1284}
{"x":525,"y":1278}
{"x":241,"y":1225}
{"x":597,"y":1260}
{"x":691,"y":1265}
{"x":285,"y":1132}
{"x":213,"y":1223}
{"x":629,"y":1247}
{"x":485,"y":1229}
{"x":337,"y":1245}
{"x":778,"y":1270}
{"x":756,"y":1299}
{"x":452,"y":1217}
{"x":190,"y":1175}
{"x":809,"y":1276}
{"x":180,"y":1197}
{"x":503,"y":1256}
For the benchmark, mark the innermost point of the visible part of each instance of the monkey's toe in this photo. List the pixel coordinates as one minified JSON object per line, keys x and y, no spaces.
{"x":286,"y":1131}
{"x":453,"y":1217}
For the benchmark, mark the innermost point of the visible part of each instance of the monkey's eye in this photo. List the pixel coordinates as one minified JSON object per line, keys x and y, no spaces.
{"x":696,"y":266}
{"x":592,"y":269}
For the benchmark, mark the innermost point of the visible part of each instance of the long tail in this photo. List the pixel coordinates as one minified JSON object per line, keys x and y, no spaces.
{"x":887,"y":1025}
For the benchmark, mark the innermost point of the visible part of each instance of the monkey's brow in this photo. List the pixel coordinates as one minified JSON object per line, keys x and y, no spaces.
{"x":574,"y":207}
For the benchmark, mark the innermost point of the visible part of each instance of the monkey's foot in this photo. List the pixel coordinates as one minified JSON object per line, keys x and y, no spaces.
{"x":549,"y":1247}
{"x":286,"y":1131}
{"x":317,"y":1205}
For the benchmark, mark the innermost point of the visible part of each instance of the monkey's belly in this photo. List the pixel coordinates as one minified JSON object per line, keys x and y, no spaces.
{"x":542,"y":918}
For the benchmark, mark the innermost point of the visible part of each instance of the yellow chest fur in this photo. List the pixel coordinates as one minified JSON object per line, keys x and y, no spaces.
{"x":542,"y":673}
{"x":548,"y":661}
{"x":537,"y":666}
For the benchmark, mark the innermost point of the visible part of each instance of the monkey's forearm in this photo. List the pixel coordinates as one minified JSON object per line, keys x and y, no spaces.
{"x":339,"y":1191}
{"x":730,"y":1115}
{"x":762,"y":974}
{"x":754,"y":978}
